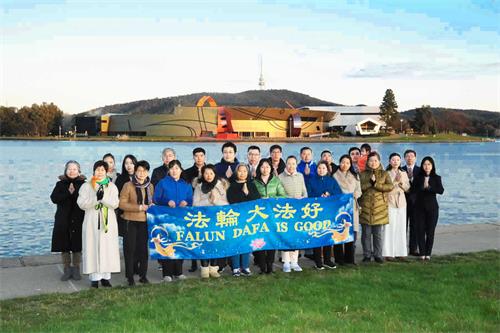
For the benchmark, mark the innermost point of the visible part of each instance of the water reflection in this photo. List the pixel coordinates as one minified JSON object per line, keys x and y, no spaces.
{"x":29,"y":171}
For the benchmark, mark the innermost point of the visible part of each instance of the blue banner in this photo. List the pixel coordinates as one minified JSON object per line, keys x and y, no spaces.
{"x":264,"y":224}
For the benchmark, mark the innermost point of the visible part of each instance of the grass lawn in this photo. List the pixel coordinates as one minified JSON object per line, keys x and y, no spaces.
{"x":450,"y":293}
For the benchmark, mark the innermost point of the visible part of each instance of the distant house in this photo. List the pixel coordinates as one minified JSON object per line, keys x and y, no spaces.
{"x":357,"y":120}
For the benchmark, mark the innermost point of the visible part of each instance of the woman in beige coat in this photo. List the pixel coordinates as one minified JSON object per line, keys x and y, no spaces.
{"x":395,"y":231}
{"x":135,"y":199}
{"x":99,"y":199}
{"x":210,"y":191}
{"x":348,"y":180}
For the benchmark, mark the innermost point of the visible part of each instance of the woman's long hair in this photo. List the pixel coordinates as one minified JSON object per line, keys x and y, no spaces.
{"x":389,"y":166}
{"x":351,"y":168}
{"x":431,"y":160}
{"x":259,"y":174}
{"x":134,"y":162}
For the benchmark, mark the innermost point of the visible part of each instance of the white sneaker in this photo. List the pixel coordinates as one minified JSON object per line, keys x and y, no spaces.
{"x":167,"y":279}
{"x":286,"y":268}
{"x":296,"y":268}
{"x":181,"y":277}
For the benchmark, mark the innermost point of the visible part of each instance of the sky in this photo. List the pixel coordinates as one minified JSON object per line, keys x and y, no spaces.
{"x":82,"y":55}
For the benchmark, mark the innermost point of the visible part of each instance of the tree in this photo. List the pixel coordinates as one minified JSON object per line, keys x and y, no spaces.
{"x":424,"y":121}
{"x":453,"y":121}
{"x":389,"y":110}
{"x":9,"y":121}
{"x":37,"y":120}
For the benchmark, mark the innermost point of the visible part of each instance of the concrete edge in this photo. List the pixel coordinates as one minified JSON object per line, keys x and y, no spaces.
{"x":51,"y":259}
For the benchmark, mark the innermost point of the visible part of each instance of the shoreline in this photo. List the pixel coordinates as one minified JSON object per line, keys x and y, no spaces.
{"x":35,"y":275}
{"x":491,"y":229}
{"x":438,"y":138}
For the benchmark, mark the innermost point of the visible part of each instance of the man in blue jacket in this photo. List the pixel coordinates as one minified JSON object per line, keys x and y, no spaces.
{"x":306,"y":166}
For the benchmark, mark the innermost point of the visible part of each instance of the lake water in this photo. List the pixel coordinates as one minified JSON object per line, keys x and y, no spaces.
{"x":29,"y":171}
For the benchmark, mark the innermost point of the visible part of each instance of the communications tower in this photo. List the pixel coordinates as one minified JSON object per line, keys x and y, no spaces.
{"x":262,"y":84}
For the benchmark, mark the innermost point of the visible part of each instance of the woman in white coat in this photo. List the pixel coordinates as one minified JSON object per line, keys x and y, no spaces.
{"x":395,"y":231}
{"x":100,"y":253}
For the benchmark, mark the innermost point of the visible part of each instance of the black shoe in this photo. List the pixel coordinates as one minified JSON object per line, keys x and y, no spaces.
{"x":144,"y":280}
{"x":414,"y":253}
{"x":367,"y":259}
{"x":379,"y":260}
{"x":105,"y":283}
{"x":319,"y":268}
{"x":130,"y":282}
{"x":330,"y":265}
{"x":94,"y":284}
{"x":194,"y":266}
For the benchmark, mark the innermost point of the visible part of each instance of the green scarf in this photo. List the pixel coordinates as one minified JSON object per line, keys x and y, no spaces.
{"x":100,"y":206}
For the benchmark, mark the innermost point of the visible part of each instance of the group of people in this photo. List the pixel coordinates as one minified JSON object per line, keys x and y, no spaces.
{"x":92,"y":214}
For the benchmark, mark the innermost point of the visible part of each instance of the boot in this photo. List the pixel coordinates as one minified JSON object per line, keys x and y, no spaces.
{"x":205,"y":272}
{"x":75,"y":271}
{"x":66,"y":259}
{"x":213,"y":271}
{"x":194,"y":266}
{"x":269,"y":268}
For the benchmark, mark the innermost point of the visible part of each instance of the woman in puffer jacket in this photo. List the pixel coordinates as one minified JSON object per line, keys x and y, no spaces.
{"x":268,"y":186}
{"x":376,"y":183}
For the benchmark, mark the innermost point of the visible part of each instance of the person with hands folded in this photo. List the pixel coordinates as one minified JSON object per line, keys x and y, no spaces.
{"x":99,"y":199}
{"x":135,"y":199}
{"x":376,"y":183}
{"x":322,"y":185}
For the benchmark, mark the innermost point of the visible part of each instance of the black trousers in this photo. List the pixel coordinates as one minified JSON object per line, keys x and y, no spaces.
{"x":265,"y":259}
{"x":171,"y":267}
{"x":426,"y":218}
{"x":411,"y":226}
{"x":327,"y":255}
{"x":209,"y":262}
{"x":135,"y":248}
{"x":344,"y":253}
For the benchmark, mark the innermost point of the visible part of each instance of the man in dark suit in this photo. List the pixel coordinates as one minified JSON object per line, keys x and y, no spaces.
{"x":412,"y":170}
{"x":167,"y":155}
{"x":189,"y":175}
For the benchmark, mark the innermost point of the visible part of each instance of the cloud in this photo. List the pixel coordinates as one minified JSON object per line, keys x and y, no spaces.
{"x":412,"y":70}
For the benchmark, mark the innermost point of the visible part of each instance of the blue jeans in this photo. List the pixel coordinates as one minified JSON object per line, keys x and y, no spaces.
{"x":241,"y":261}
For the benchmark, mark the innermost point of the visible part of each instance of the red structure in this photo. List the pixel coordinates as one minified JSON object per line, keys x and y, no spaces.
{"x":224,"y":127}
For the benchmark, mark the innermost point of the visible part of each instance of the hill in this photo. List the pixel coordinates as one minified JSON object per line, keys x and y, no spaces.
{"x":470,"y":121}
{"x":471,"y":114}
{"x":262,"y":98}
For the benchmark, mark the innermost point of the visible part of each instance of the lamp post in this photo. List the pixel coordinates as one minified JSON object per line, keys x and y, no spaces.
{"x":401,"y":130}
